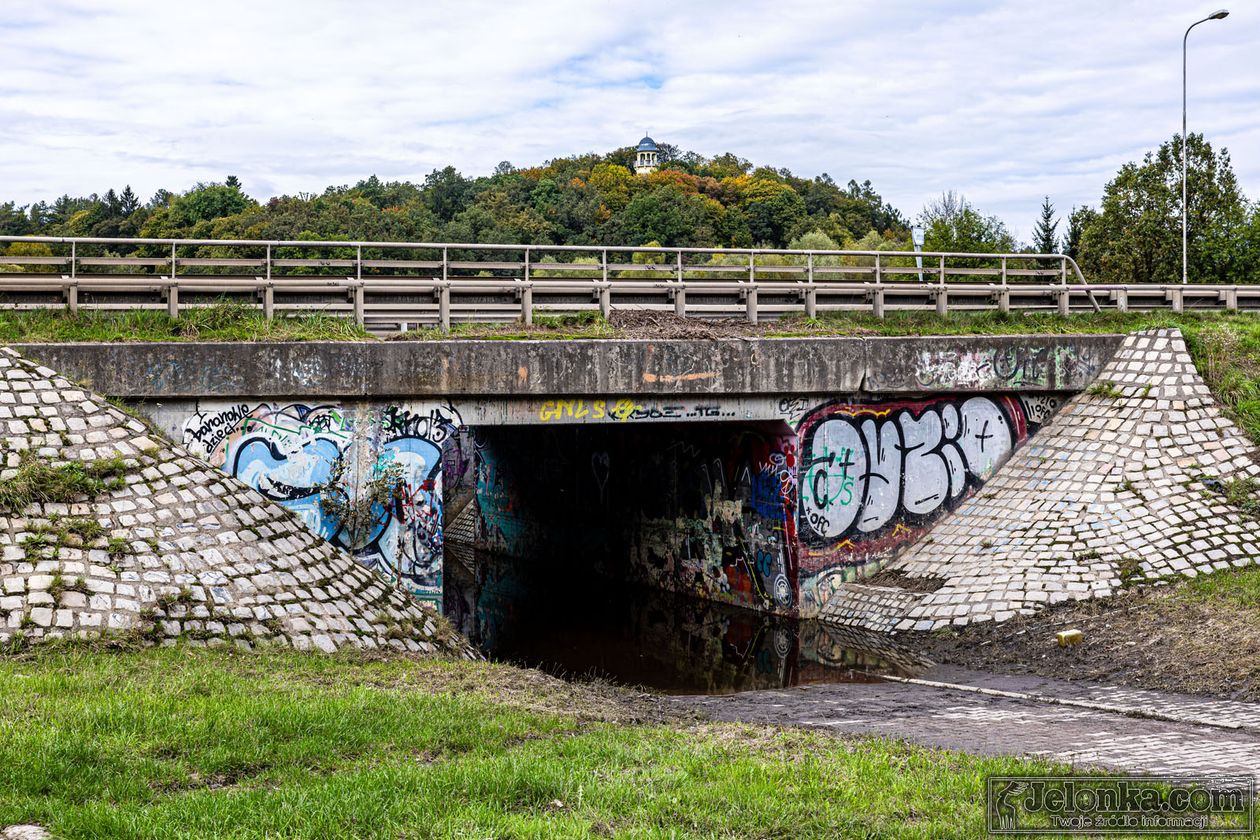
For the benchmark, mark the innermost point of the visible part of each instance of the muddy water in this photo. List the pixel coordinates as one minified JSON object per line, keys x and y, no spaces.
{"x":664,"y":642}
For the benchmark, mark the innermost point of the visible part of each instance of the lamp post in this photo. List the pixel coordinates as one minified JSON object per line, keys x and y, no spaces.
{"x":1185,"y":150}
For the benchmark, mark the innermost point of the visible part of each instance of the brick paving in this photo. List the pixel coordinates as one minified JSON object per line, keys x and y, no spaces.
{"x":1123,"y":484}
{"x":1003,"y":725}
{"x":178,"y":550}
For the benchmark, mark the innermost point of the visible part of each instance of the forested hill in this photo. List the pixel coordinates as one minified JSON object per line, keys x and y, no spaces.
{"x":723,"y":201}
{"x":586,"y":200}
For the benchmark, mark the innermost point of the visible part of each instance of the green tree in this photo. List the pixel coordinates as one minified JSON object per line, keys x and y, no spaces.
{"x":951,"y":224}
{"x":446,"y":192}
{"x":669,"y":216}
{"x":1045,"y":239}
{"x":1078,"y":220}
{"x":1136,"y":236}
{"x":773,"y":208}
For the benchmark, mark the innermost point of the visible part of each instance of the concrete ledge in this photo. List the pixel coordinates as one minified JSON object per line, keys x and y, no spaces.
{"x":562,"y":368}
{"x":1025,"y":363}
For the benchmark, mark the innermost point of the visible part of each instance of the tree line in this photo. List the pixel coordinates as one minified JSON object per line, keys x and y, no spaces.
{"x":724,"y":201}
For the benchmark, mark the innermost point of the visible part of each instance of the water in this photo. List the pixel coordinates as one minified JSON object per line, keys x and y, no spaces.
{"x":662,"y":641}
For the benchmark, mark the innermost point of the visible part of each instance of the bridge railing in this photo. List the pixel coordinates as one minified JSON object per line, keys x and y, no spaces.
{"x":399,"y":284}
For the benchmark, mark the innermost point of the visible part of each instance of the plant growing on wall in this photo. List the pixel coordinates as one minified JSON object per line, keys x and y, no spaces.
{"x":358,"y":506}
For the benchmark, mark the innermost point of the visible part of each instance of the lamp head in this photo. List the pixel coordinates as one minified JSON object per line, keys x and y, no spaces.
{"x":1219,"y":14}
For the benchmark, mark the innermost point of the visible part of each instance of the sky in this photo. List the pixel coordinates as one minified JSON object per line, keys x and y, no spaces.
{"x":1004,"y":101}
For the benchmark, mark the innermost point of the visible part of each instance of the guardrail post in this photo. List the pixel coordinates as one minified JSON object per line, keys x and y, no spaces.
{"x":680,"y":267}
{"x":1065,"y":304}
{"x":1003,"y":271}
{"x":358,"y":303}
{"x":74,"y":259}
{"x":268,"y":262}
{"x":811,"y":303}
{"x":1231,"y":299}
{"x":877,"y":302}
{"x":444,"y":307}
{"x":269,"y":301}
{"x":942,"y":300}
{"x":1178,"y":300}
{"x":942,"y":269}
{"x":878,"y":271}
{"x":527,"y":306}
{"x":72,"y":296}
{"x":1063,"y":271}
{"x":605,"y":291}
{"x":358,"y":262}
{"x":752,"y":304}
{"x":527,"y":296}
{"x":1004,"y":300}
{"x":680,"y":302}
{"x":752,"y":267}
{"x":172,"y":299}
{"x":1122,"y":300}
{"x":172,"y":262}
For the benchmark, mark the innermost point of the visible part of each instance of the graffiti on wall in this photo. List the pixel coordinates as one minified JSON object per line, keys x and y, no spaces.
{"x":291,"y":452}
{"x":724,"y":526}
{"x":874,"y":476}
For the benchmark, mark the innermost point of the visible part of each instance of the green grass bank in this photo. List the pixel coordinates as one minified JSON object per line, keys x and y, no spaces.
{"x":187,"y":742}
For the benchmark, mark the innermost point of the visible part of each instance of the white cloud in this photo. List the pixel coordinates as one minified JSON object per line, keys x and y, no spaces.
{"x":1004,"y":101}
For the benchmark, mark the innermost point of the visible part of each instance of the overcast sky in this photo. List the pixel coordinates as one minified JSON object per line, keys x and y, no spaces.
{"x":1002,"y":101}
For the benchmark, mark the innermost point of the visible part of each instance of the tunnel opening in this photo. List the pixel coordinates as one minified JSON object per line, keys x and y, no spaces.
{"x":657,"y":554}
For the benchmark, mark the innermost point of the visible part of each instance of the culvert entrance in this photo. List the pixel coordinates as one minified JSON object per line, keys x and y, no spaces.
{"x":657,"y":554}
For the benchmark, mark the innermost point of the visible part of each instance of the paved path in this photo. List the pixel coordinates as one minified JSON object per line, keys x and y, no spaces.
{"x":1079,"y":724}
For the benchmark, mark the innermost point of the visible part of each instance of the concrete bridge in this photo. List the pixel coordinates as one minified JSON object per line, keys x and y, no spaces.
{"x":393,"y":286}
{"x":758,"y":472}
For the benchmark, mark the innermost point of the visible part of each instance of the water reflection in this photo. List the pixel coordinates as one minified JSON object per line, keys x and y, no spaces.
{"x":666,"y":642}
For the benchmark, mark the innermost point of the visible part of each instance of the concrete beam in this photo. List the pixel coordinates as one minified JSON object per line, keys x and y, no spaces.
{"x":1026,"y":363}
{"x":826,"y":366}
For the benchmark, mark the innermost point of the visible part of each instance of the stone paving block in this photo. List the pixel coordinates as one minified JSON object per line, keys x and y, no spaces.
{"x":1106,"y":482}
{"x":226,"y":555}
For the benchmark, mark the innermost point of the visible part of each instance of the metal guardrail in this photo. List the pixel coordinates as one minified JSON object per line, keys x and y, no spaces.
{"x":393,"y":285}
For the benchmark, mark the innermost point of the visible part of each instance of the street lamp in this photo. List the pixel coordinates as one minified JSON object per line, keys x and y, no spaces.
{"x":1217,"y":15}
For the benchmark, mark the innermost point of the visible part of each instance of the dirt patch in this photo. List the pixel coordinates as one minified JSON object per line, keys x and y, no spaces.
{"x":1154,"y":638}
{"x":900,"y":580}
{"x":631,"y":324}
{"x":522,"y":688}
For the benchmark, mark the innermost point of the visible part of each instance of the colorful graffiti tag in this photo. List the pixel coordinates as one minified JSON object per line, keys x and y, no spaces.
{"x":874,"y":475}
{"x":291,"y":453}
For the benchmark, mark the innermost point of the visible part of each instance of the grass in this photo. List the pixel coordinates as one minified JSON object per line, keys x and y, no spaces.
{"x":1106,"y":390}
{"x":183,"y":742}
{"x":218,"y":322}
{"x":37,"y":481}
{"x":589,"y":324}
{"x":1234,"y":590}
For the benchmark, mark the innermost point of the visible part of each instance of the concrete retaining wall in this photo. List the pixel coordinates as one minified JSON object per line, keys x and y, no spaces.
{"x":500,"y":369}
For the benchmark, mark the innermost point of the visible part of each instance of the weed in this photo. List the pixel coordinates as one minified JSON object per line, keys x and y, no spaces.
{"x":118,"y":547}
{"x":37,"y":481}
{"x":358,"y":513}
{"x":17,"y":643}
{"x":1130,"y":569}
{"x":1106,"y":390}
{"x":1241,"y":493}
